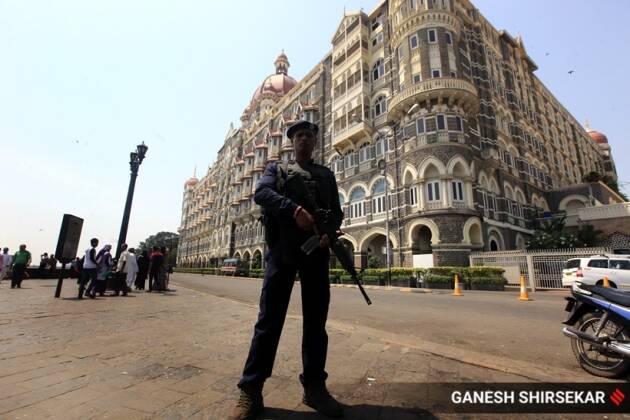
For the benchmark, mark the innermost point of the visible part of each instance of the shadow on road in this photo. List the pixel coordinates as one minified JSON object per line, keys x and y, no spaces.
{"x":359,"y":411}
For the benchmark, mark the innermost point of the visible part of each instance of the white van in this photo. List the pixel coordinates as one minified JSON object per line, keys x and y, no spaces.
{"x":592,"y":270}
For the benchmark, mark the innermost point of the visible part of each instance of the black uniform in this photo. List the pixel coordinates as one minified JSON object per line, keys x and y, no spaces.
{"x":284,"y":259}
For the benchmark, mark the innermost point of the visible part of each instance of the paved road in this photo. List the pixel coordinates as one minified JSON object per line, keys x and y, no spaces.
{"x":489,"y":323}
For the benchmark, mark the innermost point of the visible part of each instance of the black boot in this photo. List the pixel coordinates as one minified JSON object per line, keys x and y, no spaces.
{"x":250,"y":404}
{"x":316,"y":396}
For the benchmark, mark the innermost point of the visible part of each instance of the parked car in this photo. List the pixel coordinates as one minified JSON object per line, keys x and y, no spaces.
{"x":592,"y":270}
{"x":234,"y":267}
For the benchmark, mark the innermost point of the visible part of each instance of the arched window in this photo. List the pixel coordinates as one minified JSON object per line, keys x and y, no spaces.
{"x":366,"y":152}
{"x":380,"y":106}
{"x":378,"y":70}
{"x":357,"y":202}
{"x":378,"y":197}
{"x":341,"y":200}
{"x":380,"y":146}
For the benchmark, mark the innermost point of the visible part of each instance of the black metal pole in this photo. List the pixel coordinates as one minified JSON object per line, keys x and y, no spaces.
{"x":60,"y":280}
{"x":122,"y":237}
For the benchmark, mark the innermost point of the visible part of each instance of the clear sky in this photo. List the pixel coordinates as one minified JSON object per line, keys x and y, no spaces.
{"x":83,"y":82}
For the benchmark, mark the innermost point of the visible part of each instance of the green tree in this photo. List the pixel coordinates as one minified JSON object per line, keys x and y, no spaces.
{"x":169,"y":240}
{"x":552,"y":235}
{"x":588,"y":236}
{"x":374,"y":262}
{"x":613,"y":184}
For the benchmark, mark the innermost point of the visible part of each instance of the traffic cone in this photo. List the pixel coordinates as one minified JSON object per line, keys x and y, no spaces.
{"x":458,"y":289}
{"x":606,"y":282}
{"x":524,"y":295}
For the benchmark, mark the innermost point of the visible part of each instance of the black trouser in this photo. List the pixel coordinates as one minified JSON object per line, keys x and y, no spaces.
{"x":91,"y":275}
{"x":274,"y":301}
{"x":154,"y":280}
{"x":18,"y":275}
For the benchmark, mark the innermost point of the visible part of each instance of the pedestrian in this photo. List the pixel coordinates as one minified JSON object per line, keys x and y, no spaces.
{"x":120,"y":276}
{"x":43,"y":265}
{"x":288,"y":226}
{"x":131,"y":267}
{"x":156,"y":260}
{"x":143,"y":270}
{"x":89,"y":271}
{"x":21,"y":260}
{"x":75,"y":269}
{"x":163,"y":274}
{"x":105,"y":263}
{"x":5,"y":263}
{"x":52,"y":262}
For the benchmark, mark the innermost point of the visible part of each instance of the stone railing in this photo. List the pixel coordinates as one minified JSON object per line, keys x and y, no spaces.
{"x":610,"y":211}
{"x":425,"y":89}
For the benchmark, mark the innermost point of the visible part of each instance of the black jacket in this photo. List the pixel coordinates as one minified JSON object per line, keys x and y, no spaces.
{"x":280,"y":207}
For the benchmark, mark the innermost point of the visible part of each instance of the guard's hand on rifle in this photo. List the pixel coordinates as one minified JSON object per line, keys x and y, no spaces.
{"x":303,"y":219}
{"x":324,"y":241}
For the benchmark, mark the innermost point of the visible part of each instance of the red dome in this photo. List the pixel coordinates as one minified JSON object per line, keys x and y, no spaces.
{"x":598,"y":137}
{"x":280,"y":82}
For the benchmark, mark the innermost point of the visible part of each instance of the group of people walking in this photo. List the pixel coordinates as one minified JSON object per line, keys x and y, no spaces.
{"x":16,"y":263}
{"x":131,"y":270}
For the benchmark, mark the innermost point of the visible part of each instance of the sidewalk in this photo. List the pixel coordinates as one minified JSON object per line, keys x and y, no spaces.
{"x":179,"y":355}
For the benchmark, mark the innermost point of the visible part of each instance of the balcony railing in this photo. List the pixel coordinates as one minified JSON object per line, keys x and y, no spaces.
{"x":432,"y":88}
{"x":610,"y":211}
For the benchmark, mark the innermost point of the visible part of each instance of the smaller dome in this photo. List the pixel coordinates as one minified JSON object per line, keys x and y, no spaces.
{"x":598,"y":137}
{"x":191,"y":182}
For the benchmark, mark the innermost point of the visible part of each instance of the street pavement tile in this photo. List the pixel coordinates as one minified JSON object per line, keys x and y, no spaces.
{"x":193,"y":384}
{"x":122,"y":413}
{"x":26,"y":413}
{"x":154,"y":401}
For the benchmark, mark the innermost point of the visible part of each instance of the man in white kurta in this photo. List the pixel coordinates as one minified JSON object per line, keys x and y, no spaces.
{"x":131,"y":267}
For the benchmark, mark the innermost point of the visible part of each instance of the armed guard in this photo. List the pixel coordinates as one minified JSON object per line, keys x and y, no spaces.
{"x":288,"y":225}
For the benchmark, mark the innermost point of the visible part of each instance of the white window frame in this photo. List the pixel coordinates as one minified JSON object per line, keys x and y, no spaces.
{"x":439,"y":73}
{"x":457,"y":188}
{"x":357,"y":209}
{"x":424,"y":127}
{"x":378,"y":39}
{"x":437,"y":122}
{"x":459,"y":123}
{"x":434,"y":32}
{"x":411,"y":41}
{"x":416,"y":78}
{"x":433,"y":191}
{"x":413,"y":196}
{"x":381,"y":105}
{"x":379,"y":69}
{"x":364,"y":153}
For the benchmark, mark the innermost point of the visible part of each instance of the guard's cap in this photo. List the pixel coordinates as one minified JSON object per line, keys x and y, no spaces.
{"x":302,"y":125}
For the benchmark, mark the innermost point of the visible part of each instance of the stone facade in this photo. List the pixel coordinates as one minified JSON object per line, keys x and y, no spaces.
{"x":475,"y":146}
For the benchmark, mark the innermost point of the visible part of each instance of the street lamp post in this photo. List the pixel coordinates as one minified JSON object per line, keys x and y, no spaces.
{"x":382,"y":165}
{"x":135,"y":160}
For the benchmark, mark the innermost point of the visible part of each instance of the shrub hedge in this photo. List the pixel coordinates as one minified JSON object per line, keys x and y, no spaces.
{"x":400,"y":275}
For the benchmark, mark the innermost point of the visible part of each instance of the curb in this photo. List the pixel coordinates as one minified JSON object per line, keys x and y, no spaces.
{"x":390,"y":288}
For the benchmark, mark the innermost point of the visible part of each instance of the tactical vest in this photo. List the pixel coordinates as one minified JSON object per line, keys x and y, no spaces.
{"x":286,"y":170}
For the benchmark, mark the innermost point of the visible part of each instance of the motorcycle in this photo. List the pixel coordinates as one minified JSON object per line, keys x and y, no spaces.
{"x":599,"y":328}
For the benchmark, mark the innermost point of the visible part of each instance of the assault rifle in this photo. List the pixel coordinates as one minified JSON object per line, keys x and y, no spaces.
{"x":323,"y":224}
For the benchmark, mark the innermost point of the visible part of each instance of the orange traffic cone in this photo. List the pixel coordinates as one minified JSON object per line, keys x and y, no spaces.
{"x":524,"y":295}
{"x":458,"y":289}
{"x":606,"y":282}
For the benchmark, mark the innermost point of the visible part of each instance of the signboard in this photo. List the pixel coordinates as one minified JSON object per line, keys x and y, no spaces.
{"x":69,"y":236}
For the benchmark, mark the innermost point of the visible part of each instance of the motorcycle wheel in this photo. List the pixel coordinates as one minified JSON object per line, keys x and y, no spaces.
{"x":597,"y":360}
